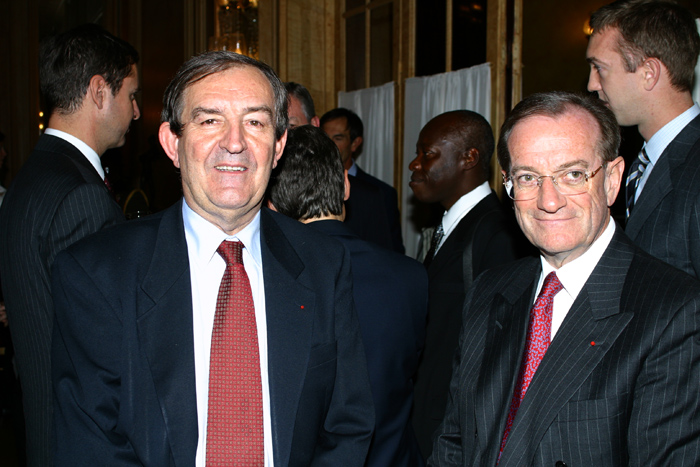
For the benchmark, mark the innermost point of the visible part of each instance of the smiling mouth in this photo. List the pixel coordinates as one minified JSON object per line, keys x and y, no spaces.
{"x":226,"y":168}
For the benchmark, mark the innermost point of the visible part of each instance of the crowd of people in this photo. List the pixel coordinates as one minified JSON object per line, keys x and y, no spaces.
{"x":272,"y":317}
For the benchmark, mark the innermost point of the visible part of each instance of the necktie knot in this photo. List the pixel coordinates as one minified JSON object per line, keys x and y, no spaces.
{"x":434,"y":242}
{"x":551,"y":287}
{"x":231,"y":252}
{"x":637,"y":169}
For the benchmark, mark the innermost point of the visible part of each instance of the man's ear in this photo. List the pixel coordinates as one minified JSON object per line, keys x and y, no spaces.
{"x":97,"y":89}
{"x":279,"y":148}
{"x":613,"y":178}
{"x":355,"y":144}
{"x":271,"y":206}
{"x":315,"y":121}
{"x":169,"y":141}
{"x":346,"y":182}
{"x":652,"y":69}
{"x":470,"y":159}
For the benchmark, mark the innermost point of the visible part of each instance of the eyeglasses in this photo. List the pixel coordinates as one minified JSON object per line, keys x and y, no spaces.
{"x":523,"y":186}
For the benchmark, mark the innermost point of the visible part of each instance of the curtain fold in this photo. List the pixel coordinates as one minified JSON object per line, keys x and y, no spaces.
{"x":375,"y":107}
{"x":427,"y":97}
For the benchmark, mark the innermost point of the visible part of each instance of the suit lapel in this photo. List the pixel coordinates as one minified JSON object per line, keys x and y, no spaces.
{"x":660,"y":182}
{"x":655,"y":190}
{"x":594,"y":317}
{"x":165,"y":334}
{"x":454,"y":244}
{"x":290,"y":308}
{"x":505,"y":343}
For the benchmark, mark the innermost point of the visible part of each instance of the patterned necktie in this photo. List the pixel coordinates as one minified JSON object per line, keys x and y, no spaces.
{"x":539,"y":333}
{"x":636,"y":171}
{"x":235,"y":414}
{"x":434,"y":242}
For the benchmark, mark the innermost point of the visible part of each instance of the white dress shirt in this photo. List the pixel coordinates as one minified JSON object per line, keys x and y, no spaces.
{"x":207,"y":269}
{"x":662,"y":138}
{"x":573,"y":276}
{"x":461,"y":208}
{"x":87,"y":151}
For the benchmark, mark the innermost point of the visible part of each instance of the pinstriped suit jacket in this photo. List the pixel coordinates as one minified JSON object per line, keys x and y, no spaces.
{"x":665,"y":221}
{"x":56,"y":199}
{"x":633,"y":398}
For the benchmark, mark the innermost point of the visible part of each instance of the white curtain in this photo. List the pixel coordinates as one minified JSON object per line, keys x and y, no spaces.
{"x":375,"y":107}
{"x":427,"y":97}
{"x":696,"y":88}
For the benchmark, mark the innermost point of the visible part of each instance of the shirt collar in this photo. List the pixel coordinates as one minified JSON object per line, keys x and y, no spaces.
{"x":86,"y":150}
{"x":463,"y":205}
{"x":353,"y":169}
{"x":574,"y":275}
{"x":662,"y":138}
{"x":203,"y":237}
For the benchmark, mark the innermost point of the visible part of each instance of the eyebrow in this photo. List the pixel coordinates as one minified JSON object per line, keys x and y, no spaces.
{"x":565,"y":166}
{"x":216,"y":111}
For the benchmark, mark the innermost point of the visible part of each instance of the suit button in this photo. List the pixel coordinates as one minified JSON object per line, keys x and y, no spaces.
{"x":560,"y":464}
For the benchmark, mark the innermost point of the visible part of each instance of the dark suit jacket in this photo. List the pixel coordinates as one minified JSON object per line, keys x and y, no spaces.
{"x":391,"y":297}
{"x":123,"y":349}
{"x":365,"y":214}
{"x":391,"y":206}
{"x":665,"y":221}
{"x":56,"y":199}
{"x":495,"y":242}
{"x":618,"y":385}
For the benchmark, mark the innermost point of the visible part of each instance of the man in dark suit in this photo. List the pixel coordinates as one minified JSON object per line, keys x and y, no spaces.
{"x":168,"y":350}
{"x":451,"y":167}
{"x":642,"y":56}
{"x":89,"y":80}
{"x":372,"y":211}
{"x":301,"y":106}
{"x":603,"y":370}
{"x":390,"y":289}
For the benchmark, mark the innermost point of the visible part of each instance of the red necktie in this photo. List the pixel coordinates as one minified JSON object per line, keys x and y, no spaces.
{"x":539,"y":333}
{"x":235,"y":415}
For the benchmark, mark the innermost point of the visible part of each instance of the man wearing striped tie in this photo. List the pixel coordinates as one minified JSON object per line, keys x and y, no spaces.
{"x":589,"y":354}
{"x":642,"y":56}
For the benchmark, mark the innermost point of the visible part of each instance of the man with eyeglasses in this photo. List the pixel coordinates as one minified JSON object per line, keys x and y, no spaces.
{"x":591,"y":354}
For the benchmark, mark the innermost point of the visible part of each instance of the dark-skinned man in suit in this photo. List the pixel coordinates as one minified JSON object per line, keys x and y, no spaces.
{"x":390,"y":289}
{"x":89,"y":80}
{"x":451,"y":167}
{"x":215,"y":332}
{"x":589,"y":354}
{"x":642,"y":56}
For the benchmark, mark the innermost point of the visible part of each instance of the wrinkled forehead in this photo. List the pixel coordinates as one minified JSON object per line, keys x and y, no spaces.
{"x":573,"y":134}
{"x":239,"y":82}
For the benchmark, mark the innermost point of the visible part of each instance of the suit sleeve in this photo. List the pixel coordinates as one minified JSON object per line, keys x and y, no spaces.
{"x":664,"y":427}
{"x":694,"y":237}
{"x":85,"y":210}
{"x":85,"y":371}
{"x":349,"y":422}
{"x":447,"y":443}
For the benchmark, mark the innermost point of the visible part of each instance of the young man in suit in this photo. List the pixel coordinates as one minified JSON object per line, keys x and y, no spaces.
{"x":216,"y":332}
{"x":451,"y":167}
{"x":89,"y":81}
{"x":390,"y":289}
{"x":642,"y":56}
{"x":603,"y":369}
{"x":373,"y":206}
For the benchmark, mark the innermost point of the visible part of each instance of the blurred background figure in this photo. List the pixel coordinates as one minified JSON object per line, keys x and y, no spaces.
{"x":89,"y":80}
{"x":390,"y":290}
